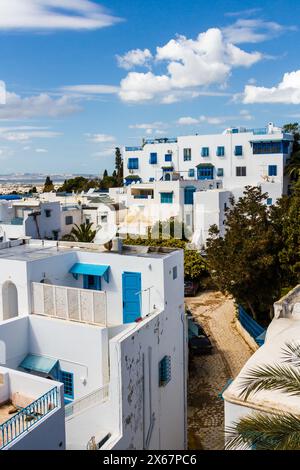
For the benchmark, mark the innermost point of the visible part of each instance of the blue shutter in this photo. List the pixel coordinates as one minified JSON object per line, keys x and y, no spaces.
{"x":191,"y":173}
{"x":272,"y":170}
{"x":133,"y":163}
{"x":166,"y":198}
{"x":153,"y":158}
{"x":205,"y":152}
{"x":168,"y":157}
{"x":220,"y":172}
{"x":238,"y":150}
{"x":165,"y":371}
{"x":220,"y":151}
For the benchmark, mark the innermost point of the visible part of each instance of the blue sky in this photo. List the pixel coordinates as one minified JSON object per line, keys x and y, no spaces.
{"x":92,"y":75}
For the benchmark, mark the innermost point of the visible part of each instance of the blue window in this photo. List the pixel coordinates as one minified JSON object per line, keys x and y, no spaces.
{"x":272,"y":170}
{"x":205,"y":152}
{"x":133,"y":163}
{"x":166,"y":198}
{"x":269,"y":201}
{"x":151,"y":179}
{"x":67,"y":378}
{"x":191,"y":173}
{"x":168,"y":157}
{"x":220,"y":151}
{"x":175,"y":272}
{"x":220,"y":172}
{"x":164,"y":371}
{"x":238,"y":151}
{"x":153,"y":158}
{"x":205,"y":173}
{"x":189,"y":194}
{"x":270,"y":147}
{"x":187,"y":155}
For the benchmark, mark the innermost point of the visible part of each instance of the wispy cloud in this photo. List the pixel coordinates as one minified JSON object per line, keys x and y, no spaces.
{"x":100,"y":138}
{"x":254,"y":30}
{"x":214,"y":120}
{"x":90,"y":89}
{"x":43,"y":105}
{"x":26,"y":133}
{"x":54,"y":15}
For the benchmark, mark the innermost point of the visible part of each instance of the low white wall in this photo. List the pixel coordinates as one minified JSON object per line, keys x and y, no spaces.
{"x":81,"y":349}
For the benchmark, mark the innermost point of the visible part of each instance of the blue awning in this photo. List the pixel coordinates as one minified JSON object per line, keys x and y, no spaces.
{"x":91,"y":270}
{"x":38,"y":364}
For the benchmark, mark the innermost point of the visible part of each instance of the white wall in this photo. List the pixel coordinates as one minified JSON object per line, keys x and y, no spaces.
{"x":257,"y":165}
{"x":81,"y":349}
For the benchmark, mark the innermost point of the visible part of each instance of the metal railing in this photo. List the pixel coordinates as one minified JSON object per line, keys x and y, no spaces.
{"x":69,"y":303}
{"x":27,"y":417}
{"x":98,"y":396}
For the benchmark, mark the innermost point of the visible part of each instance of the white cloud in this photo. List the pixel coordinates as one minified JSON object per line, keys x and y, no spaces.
{"x":18,"y":107}
{"x":190,"y":64}
{"x":54,"y":15}
{"x":286,"y":92}
{"x":253,"y":30}
{"x":26,"y":133}
{"x":136,"y":57}
{"x":41,"y":150}
{"x":91,"y":89}
{"x":187,"y":121}
{"x":106,"y":152}
{"x":100,"y":138}
{"x":214,"y":120}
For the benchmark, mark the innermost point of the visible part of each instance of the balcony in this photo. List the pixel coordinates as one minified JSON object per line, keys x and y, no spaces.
{"x":69,"y":303}
{"x":27,"y":417}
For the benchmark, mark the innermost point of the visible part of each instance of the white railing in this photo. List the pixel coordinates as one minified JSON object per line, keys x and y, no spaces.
{"x":69,"y":303}
{"x":95,"y":398}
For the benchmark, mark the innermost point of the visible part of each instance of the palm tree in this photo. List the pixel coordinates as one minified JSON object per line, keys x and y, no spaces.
{"x":82,"y":233}
{"x":263,"y":431}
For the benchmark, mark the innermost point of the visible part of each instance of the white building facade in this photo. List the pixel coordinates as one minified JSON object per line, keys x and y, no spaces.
{"x":238,"y":157}
{"x":109,"y":326}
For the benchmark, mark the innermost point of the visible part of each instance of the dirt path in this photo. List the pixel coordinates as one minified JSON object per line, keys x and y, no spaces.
{"x":209,"y":373}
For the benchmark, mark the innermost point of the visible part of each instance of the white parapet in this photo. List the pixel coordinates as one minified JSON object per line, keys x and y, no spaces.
{"x":68,"y":303}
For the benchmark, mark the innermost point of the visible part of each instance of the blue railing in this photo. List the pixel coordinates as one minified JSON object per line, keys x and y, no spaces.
{"x":133,"y":149}
{"x":251,"y":326}
{"x":27,"y":417}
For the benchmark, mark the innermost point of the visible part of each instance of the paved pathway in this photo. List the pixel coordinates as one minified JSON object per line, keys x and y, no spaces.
{"x":209,"y":373}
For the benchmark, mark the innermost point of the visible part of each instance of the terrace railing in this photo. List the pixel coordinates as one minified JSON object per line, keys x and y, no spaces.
{"x":98,"y":396}
{"x":27,"y":417}
{"x":69,"y":303}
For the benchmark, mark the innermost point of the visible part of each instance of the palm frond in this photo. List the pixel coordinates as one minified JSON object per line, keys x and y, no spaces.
{"x":271,"y":377}
{"x":291,"y":353}
{"x":260,"y":431}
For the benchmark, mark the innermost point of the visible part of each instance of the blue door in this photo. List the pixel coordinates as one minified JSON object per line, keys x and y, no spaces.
{"x":131,"y":296}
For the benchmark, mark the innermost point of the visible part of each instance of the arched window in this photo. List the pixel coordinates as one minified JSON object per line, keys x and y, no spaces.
{"x":9,"y":300}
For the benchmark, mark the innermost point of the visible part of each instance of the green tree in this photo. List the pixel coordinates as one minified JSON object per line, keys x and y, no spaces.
{"x":48,"y":186}
{"x":82,"y":233}
{"x":265,"y":431}
{"x":244,"y":262}
{"x":194,"y":265}
{"x":119,"y":166}
{"x":286,"y":219}
{"x":105,"y":173}
{"x":292,"y":169}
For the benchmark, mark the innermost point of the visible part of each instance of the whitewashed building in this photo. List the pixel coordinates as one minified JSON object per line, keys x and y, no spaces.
{"x":236,"y":158}
{"x":37,"y":219}
{"x":109,"y":326}
{"x":284,"y":328}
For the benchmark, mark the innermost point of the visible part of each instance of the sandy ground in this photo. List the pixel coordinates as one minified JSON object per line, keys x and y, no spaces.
{"x":209,"y":373}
